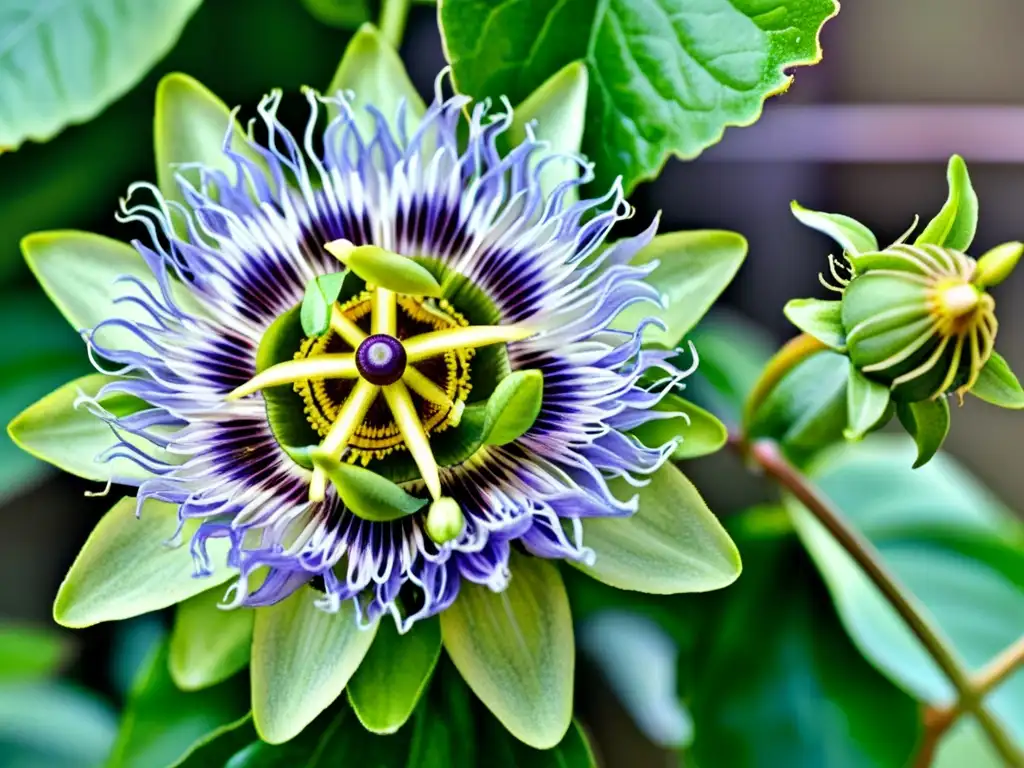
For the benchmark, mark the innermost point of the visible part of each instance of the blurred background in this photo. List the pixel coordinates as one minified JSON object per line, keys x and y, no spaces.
{"x":904,"y":83}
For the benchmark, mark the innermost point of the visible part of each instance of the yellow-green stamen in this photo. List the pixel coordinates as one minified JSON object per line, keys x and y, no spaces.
{"x":411,"y":427}
{"x":434,"y":343}
{"x":291,"y":371}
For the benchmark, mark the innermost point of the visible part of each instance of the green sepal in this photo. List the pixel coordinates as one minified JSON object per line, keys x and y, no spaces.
{"x":513,"y":407}
{"x":385,"y":269}
{"x":820,"y":319}
{"x":927,"y":421}
{"x":853,"y":236}
{"x":866,"y":404}
{"x":302,"y":659}
{"x":126,"y":568}
{"x":208,"y":644}
{"x":672,"y":544}
{"x":559,"y":107}
{"x":364,"y":492}
{"x":998,"y":385}
{"x":699,"y":432}
{"x":387,"y":686}
{"x":693,"y":269}
{"x":189,"y":127}
{"x":317,"y":302}
{"x":996,"y":264}
{"x":73,"y":439}
{"x":373,"y":70}
{"x":515,"y":649}
{"x":954,"y":225}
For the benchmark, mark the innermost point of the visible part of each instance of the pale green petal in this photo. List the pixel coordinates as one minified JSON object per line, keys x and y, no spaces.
{"x":208,"y":644}
{"x":694,"y":268}
{"x":189,"y":127}
{"x":954,"y":225}
{"x":126,"y":567}
{"x":559,"y":107}
{"x":820,"y":319}
{"x":78,"y":271}
{"x":388,"y":684}
{"x":853,"y":236}
{"x":866,"y":403}
{"x":513,"y":407}
{"x":302,"y":659}
{"x":998,"y":385}
{"x":72,"y":439}
{"x":374,"y":72}
{"x":515,"y":649}
{"x":672,"y":544}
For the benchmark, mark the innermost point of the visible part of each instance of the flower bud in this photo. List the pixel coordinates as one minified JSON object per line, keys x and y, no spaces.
{"x":915,"y":320}
{"x":444,"y":520}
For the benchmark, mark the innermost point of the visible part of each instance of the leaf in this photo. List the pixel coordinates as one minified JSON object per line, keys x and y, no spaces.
{"x":347,"y":14}
{"x":699,"y":432}
{"x":302,"y":658}
{"x":558,"y":111}
{"x":189,"y":126}
{"x":513,"y":407}
{"x":65,"y":62}
{"x":673,"y":543}
{"x":666,"y":77}
{"x":74,"y":440}
{"x":998,"y":385}
{"x":161,"y":723}
{"x":954,"y":225}
{"x":126,"y":568}
{"x":693,"y":270}
{"x":30,"y":653}
{"x":317,"y":302}
{"x":54,"y":725}
{"x":848,"y":232}
{"x":927,"y":421}
{"x":80,"y":273}
{"x":515,"y":649}
{"x":373,"y":70}
{"x":974,"y":603}
{"x":820,"y":319}
{"x":365,"y":493}
{"x":866,"y":404}
{"x":638,"y":659}
{"x":807,"y":697}
{"x":385,"y":269}
{"x":387,"y":686}
{"x":208,"y":644}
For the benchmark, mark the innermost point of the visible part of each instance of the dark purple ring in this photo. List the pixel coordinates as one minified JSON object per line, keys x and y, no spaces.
{"x":381,"y":359}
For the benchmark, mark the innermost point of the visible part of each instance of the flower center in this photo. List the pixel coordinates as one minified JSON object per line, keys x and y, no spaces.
{"x":381,"y":359}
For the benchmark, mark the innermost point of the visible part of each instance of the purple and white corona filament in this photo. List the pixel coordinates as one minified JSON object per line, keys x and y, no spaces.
{"x":234,"y":387}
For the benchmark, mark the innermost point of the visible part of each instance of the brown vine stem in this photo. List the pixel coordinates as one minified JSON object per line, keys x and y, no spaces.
{"x":767,"y":455}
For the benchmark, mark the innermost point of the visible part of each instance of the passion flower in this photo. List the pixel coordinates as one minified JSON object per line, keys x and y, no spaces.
{"x":915,"y":320}
{"x":376,"y":371}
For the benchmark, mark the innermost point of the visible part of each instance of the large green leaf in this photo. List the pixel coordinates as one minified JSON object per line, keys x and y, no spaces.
{"x":302,"y":658}
{"x":64,"y":62}
{"x":208,"y":644}
{"x":693,"y":270}
{"x":385,"y":689}
{"x":374,"y":72}
{"x":806,"y":698}
{"x":126,"y":568}
{"x":30,"y":653}
{"x":976,"y":604}
{"x":673,"y":543}
{"x":515,"y":649}
{"x":73,"y":439}
{"x":666,"y":76}
{"x":161,"y":723}
{"x":52,"y":725}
